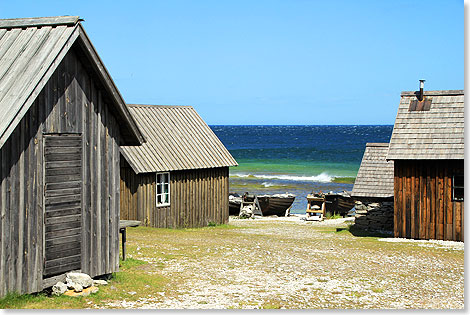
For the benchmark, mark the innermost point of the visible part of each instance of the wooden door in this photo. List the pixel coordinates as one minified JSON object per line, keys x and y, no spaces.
{"x":63,"y":203}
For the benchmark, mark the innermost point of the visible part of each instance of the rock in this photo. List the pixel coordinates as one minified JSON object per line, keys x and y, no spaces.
{"x":246,"y":213}
{"x":99,"y":282}
{"x":78,"y":278}
{"x":59,"y":288}
{"x":77,"y":287}
{"x":85,"y":292}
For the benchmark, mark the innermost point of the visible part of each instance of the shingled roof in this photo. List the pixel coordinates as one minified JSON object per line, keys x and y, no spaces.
{"x":31,"y":49}
{"x":437,"y":133}
{"x":375,"y":175}
{"x":177,"y":139}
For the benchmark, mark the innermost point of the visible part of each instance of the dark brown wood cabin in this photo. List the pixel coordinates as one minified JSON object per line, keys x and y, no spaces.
{"x":427,"y":147}
{"x":179,"y":177}
{"x":63,"y":121}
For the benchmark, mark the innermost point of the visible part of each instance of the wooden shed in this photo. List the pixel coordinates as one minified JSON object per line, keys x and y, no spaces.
{"x":179,"y":177}
{"x":427,"y":147}
{"x":374,"y":180}
{"x":373,"y":189}
{"x":63,"y":121}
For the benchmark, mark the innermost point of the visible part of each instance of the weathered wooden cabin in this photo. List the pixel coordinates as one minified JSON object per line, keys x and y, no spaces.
{"x":373,"y":189}
{"x":374,"y":180}
{"x":63,"y":121}
{"x":179,"y":177}
{"x":427,"y":147}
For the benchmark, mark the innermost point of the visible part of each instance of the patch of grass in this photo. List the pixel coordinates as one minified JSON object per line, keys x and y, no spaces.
{"x":329,"y":216}
{"x":271,"y":306}
{"x":344,"y":180}
{"x":16,"y":301}
{"x":130,"y":263}
{"x":130,"y":278}
{"x":377,"y":290}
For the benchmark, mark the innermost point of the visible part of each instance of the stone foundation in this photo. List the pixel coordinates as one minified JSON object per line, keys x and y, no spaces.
{"x":374,"y":216}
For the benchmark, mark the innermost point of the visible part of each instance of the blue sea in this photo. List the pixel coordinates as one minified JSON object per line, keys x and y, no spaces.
{"x":297,"y":159}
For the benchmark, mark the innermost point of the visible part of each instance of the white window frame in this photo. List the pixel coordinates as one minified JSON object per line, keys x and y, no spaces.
{"x":162,"y":193}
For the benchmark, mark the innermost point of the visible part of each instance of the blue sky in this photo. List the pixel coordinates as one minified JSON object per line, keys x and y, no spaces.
{"x":272,"y":62}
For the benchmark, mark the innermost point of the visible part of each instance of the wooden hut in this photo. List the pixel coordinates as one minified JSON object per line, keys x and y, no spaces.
{"x":62,"y":124}
{"x":179,"y":177}
{"x":374,"y":180}
{"x":427,"y":147}
{"x":373,"y":189}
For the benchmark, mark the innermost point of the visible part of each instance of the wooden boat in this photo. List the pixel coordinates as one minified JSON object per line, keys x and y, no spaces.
{"x":339,"y":203}
{"x":275,"y":204}
{"x":234,"y":202}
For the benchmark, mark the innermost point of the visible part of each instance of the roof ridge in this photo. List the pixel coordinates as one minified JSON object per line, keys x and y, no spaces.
{"x":40,"y":21}
{"x":160,"y":106}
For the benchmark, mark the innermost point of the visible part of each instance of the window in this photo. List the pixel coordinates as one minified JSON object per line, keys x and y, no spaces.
{"x":163,"y":189}
{"x":457,"y":187}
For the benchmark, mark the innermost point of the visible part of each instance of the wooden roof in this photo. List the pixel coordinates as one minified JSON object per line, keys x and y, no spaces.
{"x":177,"y":139}
{"x":429,"y":135}
{"x":375,"y":175}
{"x":30,"y":51}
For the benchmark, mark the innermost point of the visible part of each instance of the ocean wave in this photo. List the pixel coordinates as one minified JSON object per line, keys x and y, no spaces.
{"x":267,"y":184}
{"x":322,"y":178}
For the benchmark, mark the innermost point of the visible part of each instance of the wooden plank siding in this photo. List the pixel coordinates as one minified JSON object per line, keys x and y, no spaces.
{"x":197,"y":197}
{"x":423,"y":203}
{"x":70,"y":102}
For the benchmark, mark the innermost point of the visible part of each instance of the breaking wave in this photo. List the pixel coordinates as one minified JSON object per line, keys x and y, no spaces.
{"x":322,"y":178}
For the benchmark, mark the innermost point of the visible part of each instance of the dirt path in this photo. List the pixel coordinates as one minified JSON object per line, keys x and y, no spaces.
{"x":288,"y":263}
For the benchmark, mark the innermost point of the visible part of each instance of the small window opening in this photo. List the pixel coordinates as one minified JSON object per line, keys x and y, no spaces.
{"x":458,"y":187}
{"x":163,"y":189}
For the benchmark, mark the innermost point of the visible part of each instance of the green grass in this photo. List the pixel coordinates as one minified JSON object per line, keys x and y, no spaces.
{"x":132,"y":277}
{"x":344,"y":180}
{"x":329,"y":216}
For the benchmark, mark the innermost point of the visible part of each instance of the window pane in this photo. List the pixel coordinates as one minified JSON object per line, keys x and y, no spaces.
{"x":159,"y":189}
{"x":458,"y":193}
{"x":165,"y":199}
{"x":165,"y":188}
{"x":159,"y":178}
{"x":159,"y":199}
{"x":458,"y":181}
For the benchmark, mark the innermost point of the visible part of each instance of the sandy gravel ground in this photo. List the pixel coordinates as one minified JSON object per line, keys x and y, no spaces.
{"x":289,"y":263}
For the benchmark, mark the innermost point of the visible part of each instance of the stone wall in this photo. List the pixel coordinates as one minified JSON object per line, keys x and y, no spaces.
{"x":374,"y":216}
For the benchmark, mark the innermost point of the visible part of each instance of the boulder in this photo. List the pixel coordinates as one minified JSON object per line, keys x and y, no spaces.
{"x":59,"y":288}
{"x":99,"y":282}
{"x":246,"y":213}
{"x":77,"y":287}
{"x":78,"y":278}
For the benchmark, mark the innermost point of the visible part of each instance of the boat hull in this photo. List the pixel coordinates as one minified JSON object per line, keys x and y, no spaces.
{"x":233,"y":207}
{"x":271,"y":205}
{"x":338,"y":204}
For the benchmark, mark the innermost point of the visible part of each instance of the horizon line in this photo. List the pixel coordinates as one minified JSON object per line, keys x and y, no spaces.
{"x":301,"y":125}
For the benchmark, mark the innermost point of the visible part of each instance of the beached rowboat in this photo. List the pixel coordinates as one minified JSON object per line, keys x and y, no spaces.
{"x":234,"y":202}
{"x":275,"y":204}
{"x":339,"y":203}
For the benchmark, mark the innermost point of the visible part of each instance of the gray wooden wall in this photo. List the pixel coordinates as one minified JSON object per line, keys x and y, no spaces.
{"x":197,"y":197}
{"x":71,"y":102}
